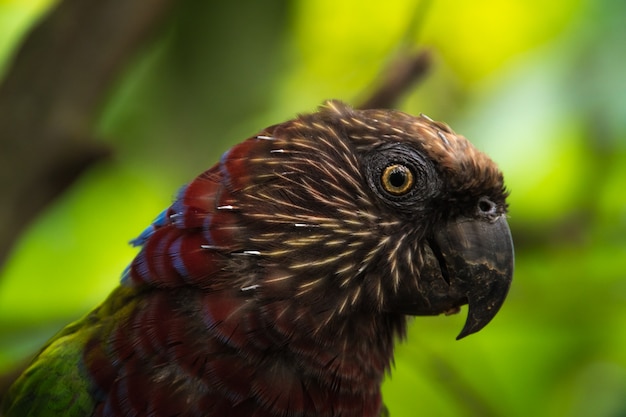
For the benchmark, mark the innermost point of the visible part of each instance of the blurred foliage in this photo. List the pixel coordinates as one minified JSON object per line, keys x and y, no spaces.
{"x":537,"y":85}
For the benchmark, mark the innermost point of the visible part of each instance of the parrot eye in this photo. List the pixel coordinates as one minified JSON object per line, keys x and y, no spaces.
{"x":401,"y":176}
{"x":397,"y":179}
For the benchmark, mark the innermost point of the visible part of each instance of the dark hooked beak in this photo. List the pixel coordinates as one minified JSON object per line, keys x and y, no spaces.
{"x":479,"y":257}
{"x":467,"y":261}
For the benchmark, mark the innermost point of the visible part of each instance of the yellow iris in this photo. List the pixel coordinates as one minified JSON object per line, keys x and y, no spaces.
{"x":397,"y":179}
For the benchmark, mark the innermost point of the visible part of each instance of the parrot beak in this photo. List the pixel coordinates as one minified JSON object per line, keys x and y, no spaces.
{"x":478,"y":258}
{"x":466,"y":261}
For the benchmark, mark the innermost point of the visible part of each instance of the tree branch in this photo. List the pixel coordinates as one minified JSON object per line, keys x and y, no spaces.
{"x":397,"y":79}
{"x":51,"y":96}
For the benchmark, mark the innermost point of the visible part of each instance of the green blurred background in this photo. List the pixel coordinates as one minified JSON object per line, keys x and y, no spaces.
{"x":540,"y":86}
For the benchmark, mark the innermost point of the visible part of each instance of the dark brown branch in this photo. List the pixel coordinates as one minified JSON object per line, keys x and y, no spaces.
{"x":408,"y":67}
{"x":51,"y":97}
{"x":397,"y":79}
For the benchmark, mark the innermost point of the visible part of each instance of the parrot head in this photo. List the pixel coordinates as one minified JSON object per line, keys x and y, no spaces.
{"x":377,"y":211}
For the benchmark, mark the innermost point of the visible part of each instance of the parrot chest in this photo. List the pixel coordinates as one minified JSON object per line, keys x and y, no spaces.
{"x":219,"y":359}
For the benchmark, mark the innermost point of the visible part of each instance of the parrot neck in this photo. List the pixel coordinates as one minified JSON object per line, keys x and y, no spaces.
{"x":324,"y":368}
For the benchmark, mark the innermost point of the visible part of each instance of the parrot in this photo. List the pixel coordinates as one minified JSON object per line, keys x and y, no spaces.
{"x":278,"y":281}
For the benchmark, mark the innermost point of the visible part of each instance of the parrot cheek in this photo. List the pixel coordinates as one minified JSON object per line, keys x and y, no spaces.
{"x":466,"y":262}
{"x":433,"y":294}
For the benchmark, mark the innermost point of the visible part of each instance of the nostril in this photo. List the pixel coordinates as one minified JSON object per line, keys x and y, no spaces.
{"x":487,"y":207}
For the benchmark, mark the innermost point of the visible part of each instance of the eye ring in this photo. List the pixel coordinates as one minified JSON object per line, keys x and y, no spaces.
{"x":397,"y":179}
{"x":401,"y":177}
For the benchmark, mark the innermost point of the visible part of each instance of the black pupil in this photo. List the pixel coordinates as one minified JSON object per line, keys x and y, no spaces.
{"x":397,"y":178}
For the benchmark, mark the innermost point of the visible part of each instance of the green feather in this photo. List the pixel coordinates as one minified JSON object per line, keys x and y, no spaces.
{"x":54,"y":385}
{"x":57,"y":383}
